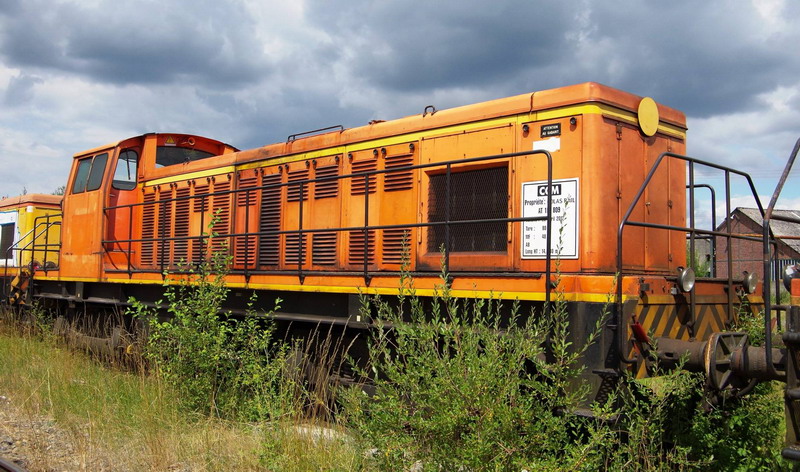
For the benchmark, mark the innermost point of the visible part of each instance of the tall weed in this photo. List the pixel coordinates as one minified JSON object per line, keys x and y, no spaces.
{"x":460,"y":384}
{"x":221,"y":365}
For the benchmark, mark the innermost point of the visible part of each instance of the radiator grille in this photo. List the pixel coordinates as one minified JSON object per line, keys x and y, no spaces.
{"x":474,"y":195}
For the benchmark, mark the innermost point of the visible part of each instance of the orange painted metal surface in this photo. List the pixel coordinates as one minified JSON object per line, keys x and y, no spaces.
{"x":128,"y":236}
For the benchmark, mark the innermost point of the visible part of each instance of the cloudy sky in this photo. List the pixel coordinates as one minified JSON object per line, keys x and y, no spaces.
{"x":75,"y":74}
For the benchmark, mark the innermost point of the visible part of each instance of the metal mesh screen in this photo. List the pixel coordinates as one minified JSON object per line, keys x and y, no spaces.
{"x":474,"y":195}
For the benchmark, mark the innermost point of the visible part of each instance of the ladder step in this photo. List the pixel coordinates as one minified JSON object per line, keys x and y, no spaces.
{"x":793,"y":393}
{"x":793,"y":338}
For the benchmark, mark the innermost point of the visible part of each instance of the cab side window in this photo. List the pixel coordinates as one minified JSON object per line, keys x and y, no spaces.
{"x":90,"y":173}
{"x":125,"y":173}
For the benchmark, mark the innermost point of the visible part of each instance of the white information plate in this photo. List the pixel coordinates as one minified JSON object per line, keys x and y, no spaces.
{"x":564,"y":226}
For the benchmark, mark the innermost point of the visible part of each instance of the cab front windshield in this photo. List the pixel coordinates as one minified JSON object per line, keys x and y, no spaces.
{"x":172,"y":155}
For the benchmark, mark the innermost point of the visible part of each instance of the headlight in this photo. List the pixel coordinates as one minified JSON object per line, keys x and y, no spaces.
{"x":686,"y":279}
{"x":750,"y":282}
{"x":790,"y":272}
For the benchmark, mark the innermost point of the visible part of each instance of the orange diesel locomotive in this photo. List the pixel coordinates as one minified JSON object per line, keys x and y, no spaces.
{"x":590,"y":175}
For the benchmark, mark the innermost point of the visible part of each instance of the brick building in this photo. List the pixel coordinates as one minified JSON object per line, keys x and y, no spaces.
{"x":747,"y":255}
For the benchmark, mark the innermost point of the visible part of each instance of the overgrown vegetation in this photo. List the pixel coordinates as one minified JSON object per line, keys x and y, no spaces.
{"x":701,"y":265}
{"x":459,"y":385}
{"x":463,"y":385}
{"x":221,"y":365}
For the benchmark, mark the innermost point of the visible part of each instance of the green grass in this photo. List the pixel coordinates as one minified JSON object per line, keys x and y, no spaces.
{"x":134,"y":422}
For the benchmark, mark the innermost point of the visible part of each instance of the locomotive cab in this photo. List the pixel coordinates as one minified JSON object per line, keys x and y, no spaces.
{"x":97,"y":233}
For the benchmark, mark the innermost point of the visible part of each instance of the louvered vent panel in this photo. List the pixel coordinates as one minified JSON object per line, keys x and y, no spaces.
{"x":294,"y":249}
{"x":357,"y":182}
{"x":246,"y":246}
{"x":269,"y":247}
{"x":148,"y":229}
{"x":247,"y":198}
{"x":356,"y":252}
{"x":222,"y":214}
{"x":293,"y":191}
{"x":246,"y":250}
{"x":328,"y":188}
{"x":165,"y":226}
{"x":200,"y":204}
{"x":180,"y":253}
{"x":323,"y":248}
{"x":395,"y":241}
{"x":398,"y":179}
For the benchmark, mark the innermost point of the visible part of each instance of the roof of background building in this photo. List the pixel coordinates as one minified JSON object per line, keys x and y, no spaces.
{"x":780,"y":229}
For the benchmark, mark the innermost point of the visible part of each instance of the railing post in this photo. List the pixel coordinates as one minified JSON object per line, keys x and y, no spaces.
{"x":130,"y":241}
{"x":692,"y":300}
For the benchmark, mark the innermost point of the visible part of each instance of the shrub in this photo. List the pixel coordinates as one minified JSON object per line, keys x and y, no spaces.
{"x":459,"y":385}
{"x":671,"y":422}
{"x":221,"y":365}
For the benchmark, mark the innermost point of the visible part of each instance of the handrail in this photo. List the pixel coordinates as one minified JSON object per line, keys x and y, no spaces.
{"x":713,"y":271}
{"x":766,"y":230}
{"x":13,"y":248}
{"x":367,"y":177}
{"x":620,"y":324}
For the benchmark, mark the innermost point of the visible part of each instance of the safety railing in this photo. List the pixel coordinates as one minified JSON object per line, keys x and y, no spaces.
{"x":767,"y":238}
{"x":37,"y":241}
{"x":712,"y":240}
{"x":620,"y":325}
{"x":366,"y":180}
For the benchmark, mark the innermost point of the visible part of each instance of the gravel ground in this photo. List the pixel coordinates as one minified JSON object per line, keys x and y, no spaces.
{"x":38,"y":444}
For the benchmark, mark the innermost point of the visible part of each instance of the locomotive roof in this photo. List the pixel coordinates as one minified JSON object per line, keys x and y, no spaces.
{"x":35,"y":199}
{"x":589,"y":97}
{"x":535,"y":102}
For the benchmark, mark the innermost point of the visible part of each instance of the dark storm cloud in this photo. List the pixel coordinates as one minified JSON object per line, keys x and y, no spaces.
{"x":704,"y":58}
{"x":701,"y":57}
{"x":421,"y":45}
{"x":203,"y":42}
